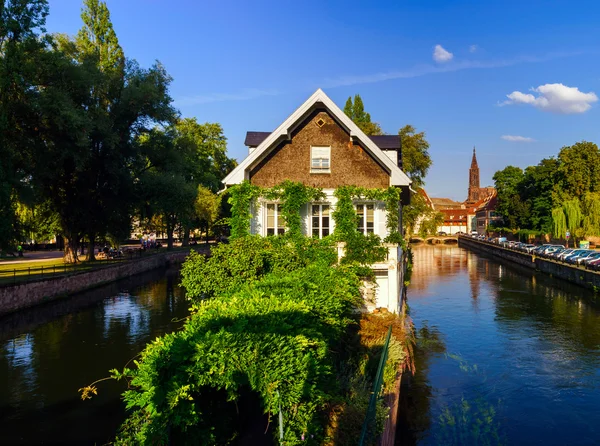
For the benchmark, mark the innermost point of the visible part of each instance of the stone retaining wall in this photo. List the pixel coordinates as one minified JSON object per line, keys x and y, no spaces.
{"x":571,"y":273}
{"x":17,"y":297}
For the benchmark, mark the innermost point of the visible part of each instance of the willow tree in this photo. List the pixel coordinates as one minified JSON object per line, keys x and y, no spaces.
{"x":559,"y":222}
{"x":591,"y":219}
{"x":574,"y":215}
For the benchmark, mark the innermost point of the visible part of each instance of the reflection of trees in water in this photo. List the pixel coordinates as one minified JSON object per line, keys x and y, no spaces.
{"x":414,"y":418}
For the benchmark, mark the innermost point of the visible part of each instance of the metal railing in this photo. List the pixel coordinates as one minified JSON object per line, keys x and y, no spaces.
{"x":375,"y":395}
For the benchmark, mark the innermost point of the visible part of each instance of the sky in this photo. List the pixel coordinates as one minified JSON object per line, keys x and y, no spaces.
{"x":518,"y":80}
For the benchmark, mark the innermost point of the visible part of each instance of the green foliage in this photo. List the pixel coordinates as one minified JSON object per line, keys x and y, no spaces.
{"x":273,"y":337}
{"x":573,"y":213}
{"x":242,"y":198}
{"x":510,"y":206}
{"x":356,"y":111}
{"x":559,"y":223}
{"x":293,"y":196}
{"x":415,"y":155}
{"x":591,"y":210}
{"x":579,"y":169}
{"x":247,"y":259}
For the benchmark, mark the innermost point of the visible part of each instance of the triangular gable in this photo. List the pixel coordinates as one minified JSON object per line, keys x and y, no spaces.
{"x":241,"y":172}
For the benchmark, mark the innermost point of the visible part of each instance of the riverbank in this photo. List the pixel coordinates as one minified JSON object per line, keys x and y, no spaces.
{"x":21,"y":296}
{"x":571,"y":273}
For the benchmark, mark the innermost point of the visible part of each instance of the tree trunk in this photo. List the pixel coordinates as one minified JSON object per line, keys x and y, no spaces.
{"x":186,"y":236}
{"x":170,"y":229}
{"x":70,"y":251}
{"x":91,"y":257}
{"x":207,"y":228}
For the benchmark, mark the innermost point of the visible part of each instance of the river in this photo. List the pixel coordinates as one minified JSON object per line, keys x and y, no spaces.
{"x":49,"y":352}
{"x":506,"y":355}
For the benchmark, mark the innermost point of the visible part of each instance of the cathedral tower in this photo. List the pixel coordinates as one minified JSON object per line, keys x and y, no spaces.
{"x":473,"y":180}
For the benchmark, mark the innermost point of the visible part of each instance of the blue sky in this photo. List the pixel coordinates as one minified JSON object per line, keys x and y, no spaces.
{"x":248,"y":65}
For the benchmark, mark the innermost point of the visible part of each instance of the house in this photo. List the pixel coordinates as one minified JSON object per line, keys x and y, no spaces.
{"x":486,"y":214}
{"x":318,"y":145}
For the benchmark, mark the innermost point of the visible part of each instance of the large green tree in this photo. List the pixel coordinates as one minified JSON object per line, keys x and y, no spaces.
{"x":537,"y":189}
{"x":579,"y":169}
{"x":21,"y":46}
{"x":510,"y":205}
{"x":355,"y":110}
{"x":87,"y":169}
{"x":415,"y":154}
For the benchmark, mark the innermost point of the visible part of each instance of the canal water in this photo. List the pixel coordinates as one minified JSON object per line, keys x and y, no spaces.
{"x":49,"y":352}
{"x":505,"y":355}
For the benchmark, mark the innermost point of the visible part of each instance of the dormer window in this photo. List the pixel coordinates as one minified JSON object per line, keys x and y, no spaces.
{"x":320,"y":159}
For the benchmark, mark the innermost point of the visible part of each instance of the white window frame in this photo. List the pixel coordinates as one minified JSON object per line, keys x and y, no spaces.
{"x":277,"y":230}
{"x":323,"y":158}
{"x":320,"y":228}
{"x":365,"y":216}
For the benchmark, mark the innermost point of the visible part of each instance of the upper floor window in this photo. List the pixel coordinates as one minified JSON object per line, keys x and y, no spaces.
{"x":275,"y":223}
{"x":320,"y":159}
{"x":320,"y":220}
{"x":366,"y":218}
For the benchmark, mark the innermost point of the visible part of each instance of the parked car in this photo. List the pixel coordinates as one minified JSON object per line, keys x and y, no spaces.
{"x":442,"y":233}
{"x":572,"y":258}
{"x":587,"y":258}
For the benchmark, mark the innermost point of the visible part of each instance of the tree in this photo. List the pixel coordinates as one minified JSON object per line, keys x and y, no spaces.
{"x":415,"y":154}
{"x":20,"y":49}
{"x":87,"y":169}
{"x":207,"y":207}
{"x":356,"y":111}
{"x":510,"y":206}
{"x":538,"y":189}
{"x":579,"y":170}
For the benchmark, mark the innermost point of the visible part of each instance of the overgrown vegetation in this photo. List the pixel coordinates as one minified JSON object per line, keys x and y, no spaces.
{"x":557,"y":195}
{"x":282,"y":323}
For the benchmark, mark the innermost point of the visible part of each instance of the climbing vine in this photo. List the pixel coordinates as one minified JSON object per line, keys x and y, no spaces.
{"x":293,"y":195}
{"x":242,"y":199}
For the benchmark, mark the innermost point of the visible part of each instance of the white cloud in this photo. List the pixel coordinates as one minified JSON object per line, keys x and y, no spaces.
{"x":515,"y":138}
{"x":244,"y":95}
{"x":557,"y":98}
{"x":440,"y":55}
{"x":424,"y":70}
{"x":473,"y":48}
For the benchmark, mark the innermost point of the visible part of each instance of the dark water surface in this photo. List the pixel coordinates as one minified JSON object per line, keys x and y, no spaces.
{"x":507,"y":356}
{"x":49,"y":352}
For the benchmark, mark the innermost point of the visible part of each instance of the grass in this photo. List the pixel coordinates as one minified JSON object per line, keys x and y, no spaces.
{"x":11,"y":273}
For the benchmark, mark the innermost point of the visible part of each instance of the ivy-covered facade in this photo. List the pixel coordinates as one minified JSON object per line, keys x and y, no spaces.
{"x":318,"y":175}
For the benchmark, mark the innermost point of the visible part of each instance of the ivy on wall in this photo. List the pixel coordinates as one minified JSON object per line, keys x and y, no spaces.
{"x":292,"y":196}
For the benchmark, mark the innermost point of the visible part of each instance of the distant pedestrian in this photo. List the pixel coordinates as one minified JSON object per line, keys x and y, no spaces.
{"x":20,"y":250}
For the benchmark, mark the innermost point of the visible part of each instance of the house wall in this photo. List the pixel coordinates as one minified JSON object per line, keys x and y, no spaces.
{"x":258,"y":222}
{"x":350,"y":163}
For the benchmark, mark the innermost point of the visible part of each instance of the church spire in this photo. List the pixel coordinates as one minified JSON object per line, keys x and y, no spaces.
{"x":473,"y":194}
{"x":474,"y":160}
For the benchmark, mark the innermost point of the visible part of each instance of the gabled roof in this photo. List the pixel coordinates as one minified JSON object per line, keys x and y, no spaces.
{"x":384,"y":142}
{"x":318,"y":100}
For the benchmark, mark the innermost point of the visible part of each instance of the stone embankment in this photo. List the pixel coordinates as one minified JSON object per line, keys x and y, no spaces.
{"x":20,"y":296}
{"x":572,"y":273}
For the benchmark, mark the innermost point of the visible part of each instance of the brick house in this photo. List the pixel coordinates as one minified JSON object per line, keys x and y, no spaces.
{"x":318,"y":145}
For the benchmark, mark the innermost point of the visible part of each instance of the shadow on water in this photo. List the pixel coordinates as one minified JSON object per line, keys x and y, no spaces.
{"x":50,"y":351}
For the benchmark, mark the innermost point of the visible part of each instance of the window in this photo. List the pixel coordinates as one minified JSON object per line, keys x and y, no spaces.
{"x":320,"y":158}
{"x":320,"y":220}
{"x":275,"y":224}
{"x":366,"y":218}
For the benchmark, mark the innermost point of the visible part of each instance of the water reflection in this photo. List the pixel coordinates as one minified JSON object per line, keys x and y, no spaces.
{"x":533,"y":341}
{"x":49,"y":352}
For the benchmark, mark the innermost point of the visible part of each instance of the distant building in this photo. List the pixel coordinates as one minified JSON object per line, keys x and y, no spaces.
{"x":465,"y":216}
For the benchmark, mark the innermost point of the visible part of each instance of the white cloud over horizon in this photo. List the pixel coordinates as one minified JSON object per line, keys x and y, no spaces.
{"x":555,"y":98}
{"x":516,"y":138}
{"x":441,"y":55}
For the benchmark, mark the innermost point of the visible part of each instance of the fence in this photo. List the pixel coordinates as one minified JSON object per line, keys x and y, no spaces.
{"x":19,"y":274}
{"x":375,"y":395}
